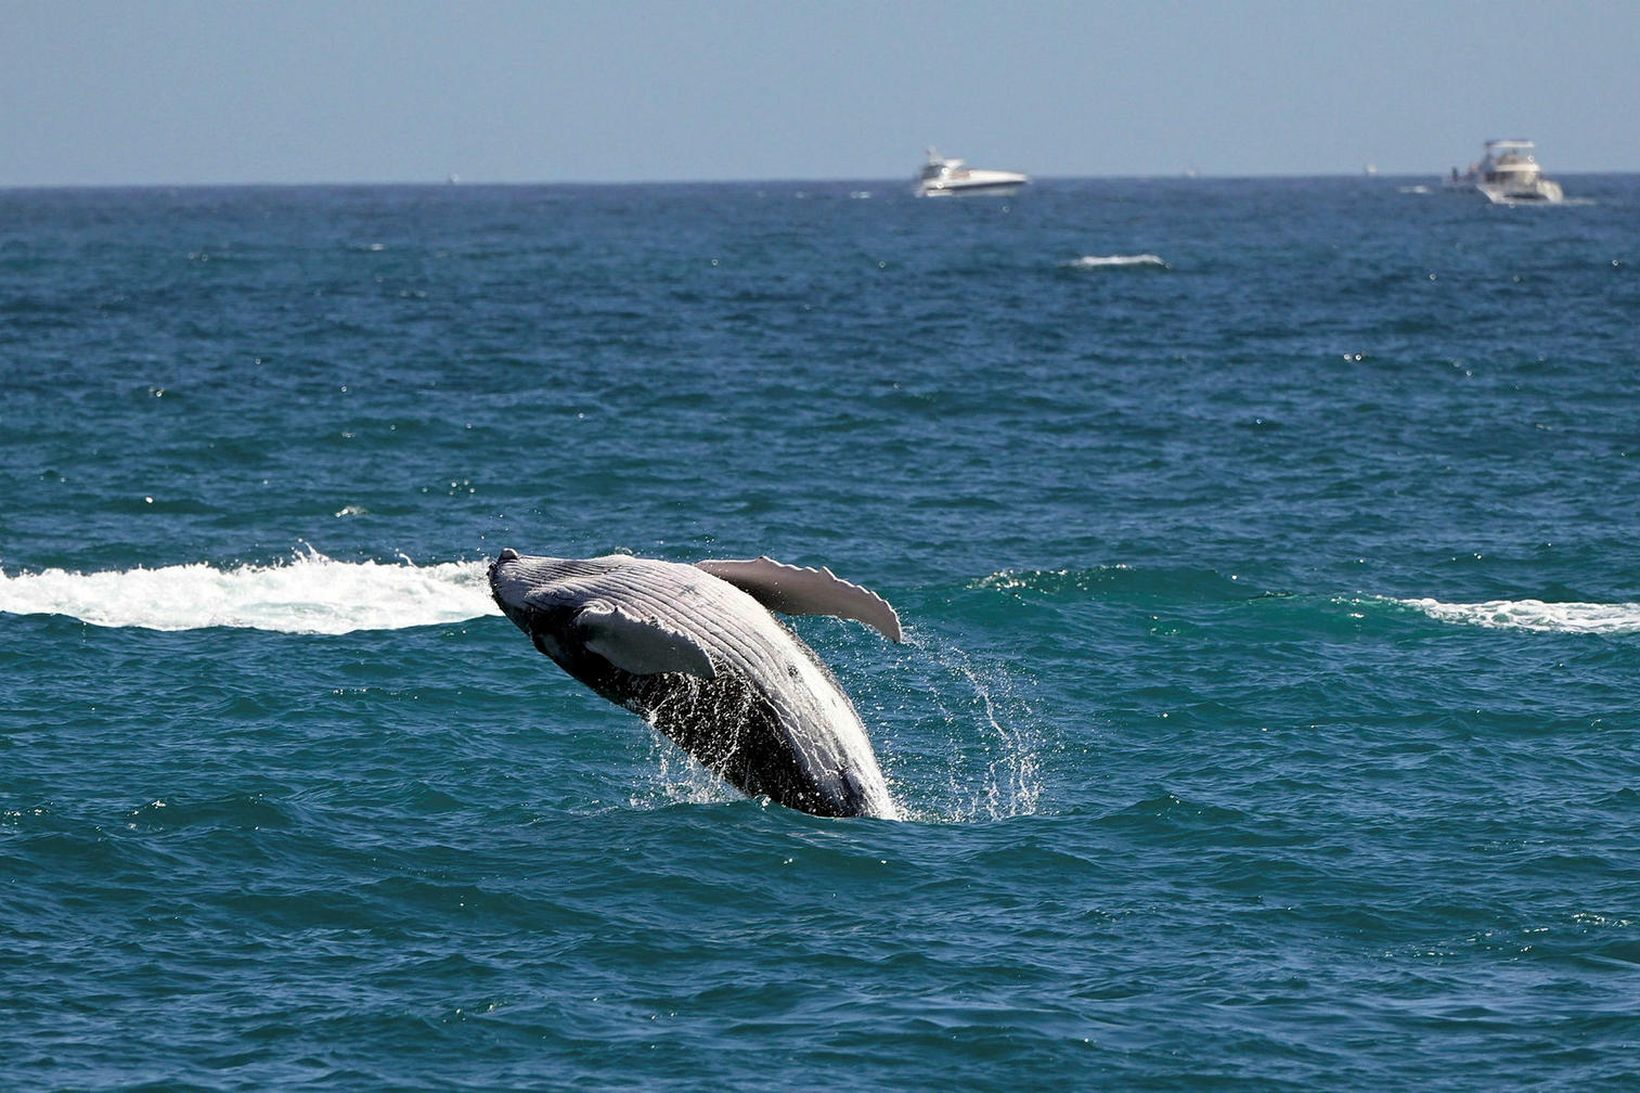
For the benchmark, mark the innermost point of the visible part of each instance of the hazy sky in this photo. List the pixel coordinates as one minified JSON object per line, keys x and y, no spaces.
{"x":221,"y":91}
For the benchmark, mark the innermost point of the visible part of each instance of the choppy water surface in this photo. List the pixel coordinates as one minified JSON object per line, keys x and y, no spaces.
{"x":1269,"y":552}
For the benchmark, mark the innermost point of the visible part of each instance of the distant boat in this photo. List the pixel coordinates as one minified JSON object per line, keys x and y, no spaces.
{"x":1507,"y":174}
{"x":941,"y":177}
{"x":1370,"y":170}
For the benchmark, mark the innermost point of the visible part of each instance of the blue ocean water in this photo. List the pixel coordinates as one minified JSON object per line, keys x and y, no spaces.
{"x":1269,"y":553}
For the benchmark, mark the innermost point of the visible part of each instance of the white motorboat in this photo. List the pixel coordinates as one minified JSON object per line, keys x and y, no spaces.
{"x":942,"y":177}
{"x":1507,"y":174}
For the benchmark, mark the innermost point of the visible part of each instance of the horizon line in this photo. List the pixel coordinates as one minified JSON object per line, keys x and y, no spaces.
{"x":456,"y":181}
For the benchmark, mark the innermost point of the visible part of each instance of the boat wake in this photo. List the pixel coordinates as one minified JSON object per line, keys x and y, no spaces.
{"x":1536,"y":615}
{"x":1104,"y":261}
{"x":310,"y":594}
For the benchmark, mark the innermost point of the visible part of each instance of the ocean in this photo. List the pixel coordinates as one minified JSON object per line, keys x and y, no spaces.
{"x":1268,"y":715}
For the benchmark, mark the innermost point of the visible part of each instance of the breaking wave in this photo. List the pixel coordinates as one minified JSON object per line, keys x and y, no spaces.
{"x":1099,"y":261}
{"x":310,"y":594}
{"x":1536,"y":615}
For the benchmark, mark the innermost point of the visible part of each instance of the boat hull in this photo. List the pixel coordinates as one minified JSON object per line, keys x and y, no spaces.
{"x":999,"y":188}
{"x":1543,"y":192}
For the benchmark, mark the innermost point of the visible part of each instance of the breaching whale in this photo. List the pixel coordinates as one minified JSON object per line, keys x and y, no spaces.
{"x":694,"y":650}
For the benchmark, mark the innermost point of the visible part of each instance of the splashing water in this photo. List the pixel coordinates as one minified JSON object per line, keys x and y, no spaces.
{"x":310,"y":594}
{"x":968,"y":746}
{"x":975,"y":757}
{"x":677,"y":778}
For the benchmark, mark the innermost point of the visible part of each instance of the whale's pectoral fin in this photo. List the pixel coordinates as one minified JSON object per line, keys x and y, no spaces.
{"x":640,"y":645}
{"x":795,"y":590}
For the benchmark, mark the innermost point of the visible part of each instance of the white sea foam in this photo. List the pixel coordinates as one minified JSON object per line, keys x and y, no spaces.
{"x":1099,"y":261}
{"x":1537,"y":615}
{"x":311,"y":594}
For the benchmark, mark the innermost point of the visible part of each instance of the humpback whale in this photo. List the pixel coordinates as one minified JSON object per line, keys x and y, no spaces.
{"x":695,"y":651}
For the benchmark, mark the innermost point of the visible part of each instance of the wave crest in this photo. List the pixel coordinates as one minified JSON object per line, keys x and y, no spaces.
{"x":1101,"y":261}
{"x":311,"y":594}
{"x":1536,"y":615}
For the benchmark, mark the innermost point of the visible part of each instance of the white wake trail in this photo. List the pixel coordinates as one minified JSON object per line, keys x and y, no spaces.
{"x":311,"y":594}
{"x":1537,"y":615}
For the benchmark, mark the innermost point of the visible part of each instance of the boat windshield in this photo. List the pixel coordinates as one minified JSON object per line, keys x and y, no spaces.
{"x":1516,"y":150}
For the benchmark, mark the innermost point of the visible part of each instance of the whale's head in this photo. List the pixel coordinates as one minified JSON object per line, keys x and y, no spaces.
{"x":527,"y":587}
{"x":542,"y":596}
{"x":517,"y":582}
